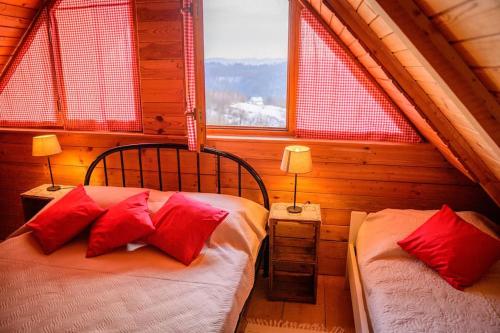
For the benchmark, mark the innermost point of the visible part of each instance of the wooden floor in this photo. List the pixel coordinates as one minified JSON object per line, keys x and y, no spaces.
{"x":333,"y":308}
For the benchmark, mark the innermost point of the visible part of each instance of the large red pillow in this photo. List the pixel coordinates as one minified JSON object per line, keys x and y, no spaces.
{"x":183,"y":225}
{"x":123,"y":223}
{"x":65,"y":219}
{"x":457,"y":250}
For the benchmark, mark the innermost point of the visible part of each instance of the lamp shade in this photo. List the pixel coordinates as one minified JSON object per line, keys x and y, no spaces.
{"x":296,"y":159}
{"x":46,"y":145}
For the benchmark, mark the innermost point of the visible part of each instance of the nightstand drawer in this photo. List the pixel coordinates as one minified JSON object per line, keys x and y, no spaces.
{"x":294,"y":242}
{"x":294,"y":229}
{"x":294,"y":249}
{"x":293,"y":267}
{"x":285,"y":255}
{"x":299,"y":279}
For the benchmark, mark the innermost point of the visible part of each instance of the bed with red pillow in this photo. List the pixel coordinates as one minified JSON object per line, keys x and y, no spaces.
{"x":424,"y":271}
{"x":90,"y":284}
{"x":134,"y":259}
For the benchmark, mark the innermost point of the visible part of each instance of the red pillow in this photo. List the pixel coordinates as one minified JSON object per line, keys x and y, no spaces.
{"x":183,"y":225}
{"x":457,"y":250}
{"x":65,"y":219}
{"x":123,"y":223}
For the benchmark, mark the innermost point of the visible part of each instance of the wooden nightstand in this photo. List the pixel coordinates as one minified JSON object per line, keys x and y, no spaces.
{"x":293,"y":264}
{"x":36,"y":198}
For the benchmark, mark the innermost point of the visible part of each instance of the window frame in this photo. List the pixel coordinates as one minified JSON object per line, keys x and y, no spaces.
{"x":292,"y":79}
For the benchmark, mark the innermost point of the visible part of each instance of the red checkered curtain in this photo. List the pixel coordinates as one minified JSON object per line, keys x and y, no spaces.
{"x":189,"y":72}
{"x":96,"y":64}
{"x":335,"y":97}
{"x":27,"y":91}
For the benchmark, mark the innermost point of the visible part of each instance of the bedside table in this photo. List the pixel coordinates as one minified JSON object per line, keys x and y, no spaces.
{"x":293,"y":264}
{"x":37,"y":198}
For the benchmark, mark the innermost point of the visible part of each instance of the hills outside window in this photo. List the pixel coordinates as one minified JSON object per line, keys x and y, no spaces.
{"x":246,"y":61}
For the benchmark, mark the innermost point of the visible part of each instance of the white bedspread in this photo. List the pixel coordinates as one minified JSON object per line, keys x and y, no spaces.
{"x":144,"y":290}
{"x":404,"y":295}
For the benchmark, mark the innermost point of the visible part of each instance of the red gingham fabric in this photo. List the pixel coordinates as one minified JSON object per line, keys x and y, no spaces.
{"x":336,"y":99}
{"x":27,"y":92}
{"x":189,"y":72}
{"x":97,"y":68}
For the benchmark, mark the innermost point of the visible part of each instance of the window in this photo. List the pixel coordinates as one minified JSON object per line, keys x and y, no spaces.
{"x":316,"y":89}
{"x":97,"y":63}
{"x":336,"y":99}
{"x":95,"y":86}
{"x":246,"y":48}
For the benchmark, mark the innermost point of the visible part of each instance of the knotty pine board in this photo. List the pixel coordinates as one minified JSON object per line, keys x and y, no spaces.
{"x":471,"y":26}
{"x":346,"y":176}
{"x":161,"y":66}
{"x":15,"y":17}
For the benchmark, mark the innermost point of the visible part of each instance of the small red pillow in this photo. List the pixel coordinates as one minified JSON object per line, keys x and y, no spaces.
{"x":457,"y":250}
{"x":123,"y":223}
{"x":183,"y":225}
{"x":65,"y":219}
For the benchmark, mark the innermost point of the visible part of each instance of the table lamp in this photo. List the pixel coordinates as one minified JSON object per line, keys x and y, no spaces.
{"x":47,"y":145}
{"x":296,"y":159}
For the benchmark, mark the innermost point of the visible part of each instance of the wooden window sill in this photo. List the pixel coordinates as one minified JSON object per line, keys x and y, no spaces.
{"x":288,"y":139}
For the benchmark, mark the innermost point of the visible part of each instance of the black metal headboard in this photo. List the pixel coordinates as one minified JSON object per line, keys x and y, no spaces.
{"x":177,"y":147}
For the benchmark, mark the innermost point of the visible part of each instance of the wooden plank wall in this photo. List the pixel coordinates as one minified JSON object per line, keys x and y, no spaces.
{"x":346,"y":176}
{"x":159,"y":33}
{"x":356,"y":176}
{"x":15,"y":18}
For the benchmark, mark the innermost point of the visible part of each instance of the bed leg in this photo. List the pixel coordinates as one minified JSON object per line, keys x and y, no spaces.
{"x":266,"y":257}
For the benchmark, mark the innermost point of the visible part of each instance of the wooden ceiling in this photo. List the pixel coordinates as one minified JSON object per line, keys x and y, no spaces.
{"x":473,"y":29}
{"x":15,"y":18}
{"x":439,"y":60}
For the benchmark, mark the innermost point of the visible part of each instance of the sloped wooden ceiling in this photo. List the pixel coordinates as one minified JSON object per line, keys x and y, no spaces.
{"x":430,"y":72}
{"x":473,"y":29}
{"x":15,"y":17}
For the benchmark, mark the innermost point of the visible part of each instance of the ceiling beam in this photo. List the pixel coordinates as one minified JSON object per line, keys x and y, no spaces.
{"x":424,"y":105}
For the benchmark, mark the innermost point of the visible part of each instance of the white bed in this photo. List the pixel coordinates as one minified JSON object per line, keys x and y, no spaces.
{"x":144,"y":290}
{"x":394,"y":292}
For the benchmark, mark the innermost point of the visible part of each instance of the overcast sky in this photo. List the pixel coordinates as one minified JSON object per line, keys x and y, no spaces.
{"x":238,"y":29}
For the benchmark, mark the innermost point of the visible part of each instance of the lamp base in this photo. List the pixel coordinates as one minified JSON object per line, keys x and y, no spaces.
{"x":53,"y":188}
{"x":294,"y":210}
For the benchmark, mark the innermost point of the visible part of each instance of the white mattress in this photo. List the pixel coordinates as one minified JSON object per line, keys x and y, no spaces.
{"x":144,"y":290}
{"x":404,"y":295}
